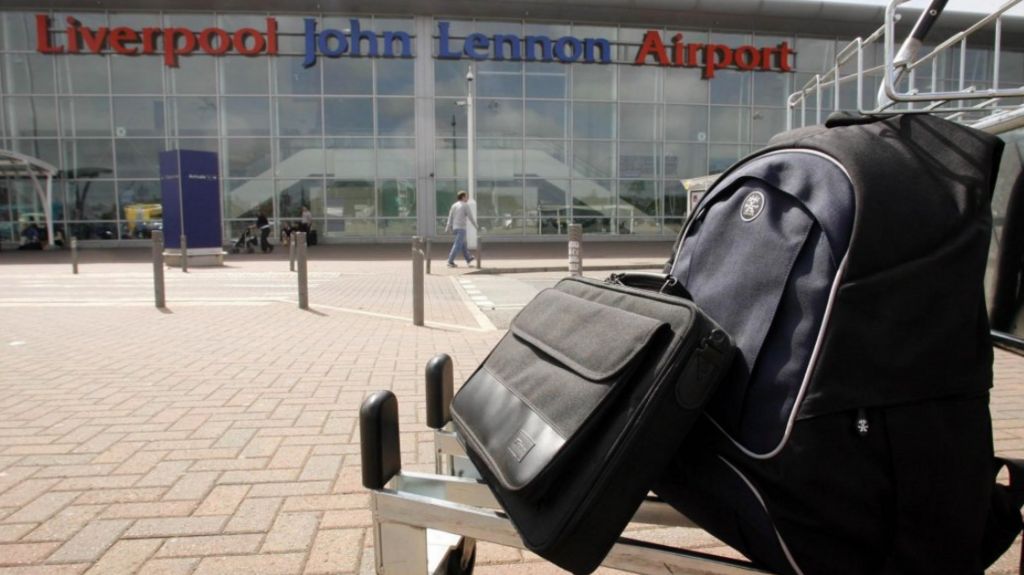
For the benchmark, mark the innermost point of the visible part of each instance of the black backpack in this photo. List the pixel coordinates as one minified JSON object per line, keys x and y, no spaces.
{"x":852,"y":435}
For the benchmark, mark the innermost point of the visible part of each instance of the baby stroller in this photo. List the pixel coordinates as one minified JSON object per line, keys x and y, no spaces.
{"x":246,"y":242}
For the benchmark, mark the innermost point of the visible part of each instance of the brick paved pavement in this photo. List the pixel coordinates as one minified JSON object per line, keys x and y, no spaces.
{"x":221,"y":436}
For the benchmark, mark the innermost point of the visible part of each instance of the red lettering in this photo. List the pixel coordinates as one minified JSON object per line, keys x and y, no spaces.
{"x":43,"y":36}
{"x":118,"y":36}
{"x":72,"y":34}
{"x":149,"y":36}
{"x":766,"y":58}
{"x":95,"y":41}
{"x":272,"y":36}
{"x":677,"y":49}
{"x":784,"y":53}
{"x":747,"y":57}
{"x":171,"y":51}
{"x":691,"y":54}
{"x":206,"y":41}
{"x":652,"y":43}
{"x":258,"y":42}
{"x":716,"y":57}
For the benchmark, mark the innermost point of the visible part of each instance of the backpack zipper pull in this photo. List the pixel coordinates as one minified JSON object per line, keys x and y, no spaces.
{"x":862,"y":422}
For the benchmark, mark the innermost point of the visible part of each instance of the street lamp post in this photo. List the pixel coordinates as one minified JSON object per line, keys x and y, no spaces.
{"x":471,"y":232}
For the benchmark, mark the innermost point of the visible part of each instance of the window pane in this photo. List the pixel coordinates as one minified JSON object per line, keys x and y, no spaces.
{"x":142,"y":116}
{"x":28,"y":74}
{"x":593,"y":82}
{"x":246,"y":116}
{"x":500,"y":199}
{"x":298,"y":116}
{"x":594,"y":159}
{"x":546,"y":158}
{"x":546,"y":119}
{"x":547,"y":206}
{"x":638,"y":83}
{"x":397,"y":199}
{"x":686,"y":160}
{"x":773,"y":89}
{"x":814,"y":55}
{"x":245,"y":198}
{"x":19,"y":30}
{"x":31,"y":117}
{"x":688,"y":123}
{"x":685,"y":85}
{"x":293,"y":194}
{"x":300,"y":157}
{"x":395,"y":77}
{"x":593,"y":205}
{"x":348,"y":116}
{"x":505,"y":80}
{"x":450,"y":158}
{"x":194,"y":75}
{"x":450,"y":78}
{"x":140,"y":207}
{"x":242,"y":75}
{"x":353,"y":199}
{"x":637,"y":160}
{"x":396,"y":157}
{"x":292,"y":78}
{"x":247,"y":157}
{"x":722,"y":156}
{"x":593,"y":120}
{"x":731,"y":87}
{"x":351,"y":158}
{"x":195,"y":116}
{"x":88,"y":158}
{"x":766,"y":123}
{"x":449,"y":119}
{"x":639,"y":122}
{"x":546,"y":80}
{"x":83,"y":74}
{"x":85,"y":117}
{"x":137,"y":158}
{"x":91,"y":200}
{"x":138,"y":75}
{"x":499,"y":118}
{"x":637,"y":198}
{"x":675,"y":199}
{"x":395,"y":117}
{"x":46,"y":150}
{"x":347,"y":75}
{"x":499,"y":158}
{"x":730,"y":124}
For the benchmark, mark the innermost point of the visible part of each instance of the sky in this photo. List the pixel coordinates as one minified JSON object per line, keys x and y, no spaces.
{"x":975,"y":6}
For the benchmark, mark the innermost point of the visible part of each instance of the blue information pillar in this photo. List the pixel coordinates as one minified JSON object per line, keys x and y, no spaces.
{"x":190,"y":187}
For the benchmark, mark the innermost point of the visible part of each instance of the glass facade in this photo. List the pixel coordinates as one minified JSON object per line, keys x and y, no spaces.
{"x":377,"y":146}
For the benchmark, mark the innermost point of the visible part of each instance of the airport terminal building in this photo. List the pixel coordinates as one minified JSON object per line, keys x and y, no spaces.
{"x":586,"y":112}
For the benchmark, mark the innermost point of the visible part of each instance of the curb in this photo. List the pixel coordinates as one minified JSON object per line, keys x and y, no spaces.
{"x":564,"y":268}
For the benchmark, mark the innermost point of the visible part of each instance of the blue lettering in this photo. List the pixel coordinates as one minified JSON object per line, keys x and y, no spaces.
{"x":500,"y":41}
{"x":545,"y":48}
{"x":443,"y":51}
{"x":591,"y":45}
{"x":310,"y":58}
{"x":357,"y":39}
{"x":389,"y":44}
{"x":325,"y":43}
{"x":577,"y":49}
{"x":474,"y":42}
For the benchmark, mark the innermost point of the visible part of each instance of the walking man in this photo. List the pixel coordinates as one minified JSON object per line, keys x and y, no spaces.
{"x":458,"y":215}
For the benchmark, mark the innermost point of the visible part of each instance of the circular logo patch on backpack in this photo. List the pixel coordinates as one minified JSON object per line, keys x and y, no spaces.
{"x":753,"y":205}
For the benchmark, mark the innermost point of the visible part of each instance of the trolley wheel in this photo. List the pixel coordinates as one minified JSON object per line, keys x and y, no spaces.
{"x":462,"y":559}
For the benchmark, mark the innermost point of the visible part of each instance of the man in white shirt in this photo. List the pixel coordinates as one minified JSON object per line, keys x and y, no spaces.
{"x":458,"y":215}
{"x":307,"y":219}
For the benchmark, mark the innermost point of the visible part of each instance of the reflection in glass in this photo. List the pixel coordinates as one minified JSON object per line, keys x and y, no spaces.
{"x":396,"y":157}
{"x":85,"y":117}
{"x":242,"y":75}
{"x":93,"y":230}
{"x":685,"y":85}
{"x":28,"y":73}
{"x":300,"y":157}
{"x":194,"y":75}
{"x":499,"y":118}
{"x":729,"y":124}
{"x":504,"y":80}
{"x":731,"y":87}
{"x":397,"y":198}
{"x":395,"y":117}
{"x":293,"y":194}
{"x":347,"y":75}
{"x":138,"y":158}
{"x":686,"y":123}
{"x":247,"y":157}
{"x":638,"y":83}
{"x":141,"y":211}
{"x":686,"y":160}
{"x":637,"y":198}
{"x":449,"y":119}
{"x":350,"y":208}
{"x":138,"y":116}
{"x":593,"y":82}
{"x":500,"y":198}
{"x":83,"y":74}
{"x":46,"y":150}
{"x":293,"y":78}
{"x":593,"y":159}
{"x":246,"y":198}
{"x":546,"y":119}
{"x":547,"y":206}
{"x":639,"y":122}
{"x":31,"y":117}
{"x":593,"y":205}
{"x":348,"y":116}
{"x":638,"y":160}
{"x":593,"y":120}
{"x":499,"y":158}
{"x":766,"y":123}
{"x":546,"y":80}
{"x":450,"y":78}
{"x":138,"y":75}
{"x":194,"y":116}
{"x":395,"y":77}
{"x":546,"y":158}
{"x":246,"y":116}
{"x":675,"y":199}
{"x":720,"y":156}
{"x":350,"y":158}
{"x":450,"y":158}
{"x":91,"y":158}
{"x":91,"y":200}
{"x":298,"y":116}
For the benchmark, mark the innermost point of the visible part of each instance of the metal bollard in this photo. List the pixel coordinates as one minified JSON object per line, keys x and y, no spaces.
{"x":427,"y":256}
{"x":158,"y":269}
{"x":184,"y":253}
{"x":575,"y":250}
{"x":479,"y":250}
{"x":417,"y":280}
{"x":291,"y":252}
{"x":74,"y":256}
{"x":300,"y":239}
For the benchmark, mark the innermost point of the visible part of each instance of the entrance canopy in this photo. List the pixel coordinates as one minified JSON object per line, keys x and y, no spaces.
{"x":18,"y":166}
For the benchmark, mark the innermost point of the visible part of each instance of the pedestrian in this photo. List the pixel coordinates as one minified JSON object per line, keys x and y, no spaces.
{"x":458,"y":215}
{"x":307,"y":220}
{"x":264,"y":225}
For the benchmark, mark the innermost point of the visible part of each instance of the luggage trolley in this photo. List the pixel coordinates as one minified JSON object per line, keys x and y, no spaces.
{"x":430,"y":522}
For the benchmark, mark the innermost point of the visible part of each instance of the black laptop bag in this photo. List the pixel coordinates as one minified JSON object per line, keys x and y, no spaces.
{"x":576,"y":411}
